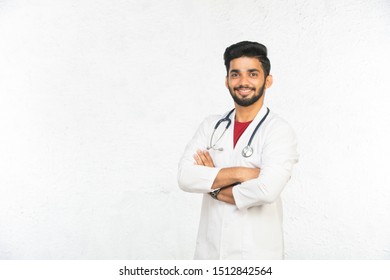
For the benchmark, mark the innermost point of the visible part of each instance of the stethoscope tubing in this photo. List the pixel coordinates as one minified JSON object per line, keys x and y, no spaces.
{"x":247,"y":150}
{"x":226,"y":118}
{"x":257,"y":127}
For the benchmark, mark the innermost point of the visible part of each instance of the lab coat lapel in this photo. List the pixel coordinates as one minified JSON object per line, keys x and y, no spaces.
{"x":244,"y":139}
{"x":223,"y":140}
{"x":228,"y":141}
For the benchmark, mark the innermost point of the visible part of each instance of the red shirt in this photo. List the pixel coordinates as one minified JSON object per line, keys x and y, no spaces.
{"x":239,"y":128}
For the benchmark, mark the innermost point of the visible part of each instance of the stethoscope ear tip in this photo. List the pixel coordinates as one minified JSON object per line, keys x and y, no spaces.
{"x":218,"y":149}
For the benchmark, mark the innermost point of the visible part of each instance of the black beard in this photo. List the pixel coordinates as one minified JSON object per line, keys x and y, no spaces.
{"x":247,"y":102}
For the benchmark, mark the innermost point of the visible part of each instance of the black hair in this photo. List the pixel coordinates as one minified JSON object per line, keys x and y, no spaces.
{"x":248,"y":49}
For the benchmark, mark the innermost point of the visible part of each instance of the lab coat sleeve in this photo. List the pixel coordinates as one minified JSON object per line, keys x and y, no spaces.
{"x":278,"y":158}
{"x":196,"y":178}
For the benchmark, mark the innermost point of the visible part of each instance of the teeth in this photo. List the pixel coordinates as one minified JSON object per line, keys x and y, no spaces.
{"x":244,"y":90}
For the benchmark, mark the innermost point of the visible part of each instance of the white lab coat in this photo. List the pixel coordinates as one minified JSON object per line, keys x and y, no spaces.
{"x":251,"y":229}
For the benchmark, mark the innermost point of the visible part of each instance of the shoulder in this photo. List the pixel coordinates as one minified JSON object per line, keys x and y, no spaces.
{"x":209,"y":121}
{"x":213,"y":119}
{"x":206,"y":127}
{"x":276,"y":125}
{"x":208,"y":124}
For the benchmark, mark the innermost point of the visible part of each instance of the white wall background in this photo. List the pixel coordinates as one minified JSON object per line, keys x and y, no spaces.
{"x":99,"y":98}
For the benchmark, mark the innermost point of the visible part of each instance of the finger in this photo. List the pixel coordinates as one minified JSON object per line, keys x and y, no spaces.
{"x":209,"y":159}
{"x":198,"y":161}
{"x":206,"y":158}
{"x":203,"y":158}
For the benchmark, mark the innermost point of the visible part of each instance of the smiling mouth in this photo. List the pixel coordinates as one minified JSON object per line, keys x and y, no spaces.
{"x":244,"y":91}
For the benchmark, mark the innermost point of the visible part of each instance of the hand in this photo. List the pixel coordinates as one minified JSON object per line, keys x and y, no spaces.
{"x":203,"y":158}
{"x":226,"y":195}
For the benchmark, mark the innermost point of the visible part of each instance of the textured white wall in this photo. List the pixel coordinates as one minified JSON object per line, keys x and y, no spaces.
{"x":99,"y":98}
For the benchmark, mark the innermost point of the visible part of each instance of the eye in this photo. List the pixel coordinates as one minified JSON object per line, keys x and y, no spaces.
{"x":254,"y":74}
{"x":233,"y":75}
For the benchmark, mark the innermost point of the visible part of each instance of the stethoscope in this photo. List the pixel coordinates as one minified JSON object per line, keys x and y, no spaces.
{"x":247,"y":151}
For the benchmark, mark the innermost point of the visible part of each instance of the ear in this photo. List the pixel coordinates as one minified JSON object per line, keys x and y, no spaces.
{"x":226,"y":82}
{"x":268,"y":81}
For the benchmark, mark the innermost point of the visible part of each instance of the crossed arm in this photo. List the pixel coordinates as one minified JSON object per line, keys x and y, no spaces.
{"x":226,"y":178}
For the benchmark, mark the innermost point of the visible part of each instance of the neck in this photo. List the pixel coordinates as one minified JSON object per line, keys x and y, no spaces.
{"x":246,"y":114}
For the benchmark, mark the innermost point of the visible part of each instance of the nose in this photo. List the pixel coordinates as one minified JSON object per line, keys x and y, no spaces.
{"x":244,"y":81}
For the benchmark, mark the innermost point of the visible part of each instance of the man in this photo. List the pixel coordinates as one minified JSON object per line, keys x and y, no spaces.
{"x":242,"y":168}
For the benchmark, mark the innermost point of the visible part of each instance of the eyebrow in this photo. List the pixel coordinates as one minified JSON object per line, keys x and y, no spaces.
{"x":249,"y":70}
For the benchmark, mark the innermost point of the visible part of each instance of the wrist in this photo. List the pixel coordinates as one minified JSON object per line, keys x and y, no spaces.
{"x":238,"y":174}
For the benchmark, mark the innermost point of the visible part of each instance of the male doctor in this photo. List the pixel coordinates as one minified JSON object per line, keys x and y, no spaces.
{"x":241,"y":178}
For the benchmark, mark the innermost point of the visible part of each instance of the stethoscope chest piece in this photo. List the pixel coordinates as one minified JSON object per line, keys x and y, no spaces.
{"x":247,"y":151}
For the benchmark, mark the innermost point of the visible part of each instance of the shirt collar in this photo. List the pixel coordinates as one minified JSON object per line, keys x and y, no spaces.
{"x":262,"y":112}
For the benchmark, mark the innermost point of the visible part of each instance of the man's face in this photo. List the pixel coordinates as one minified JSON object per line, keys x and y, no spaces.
{"x":245,"y":80}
